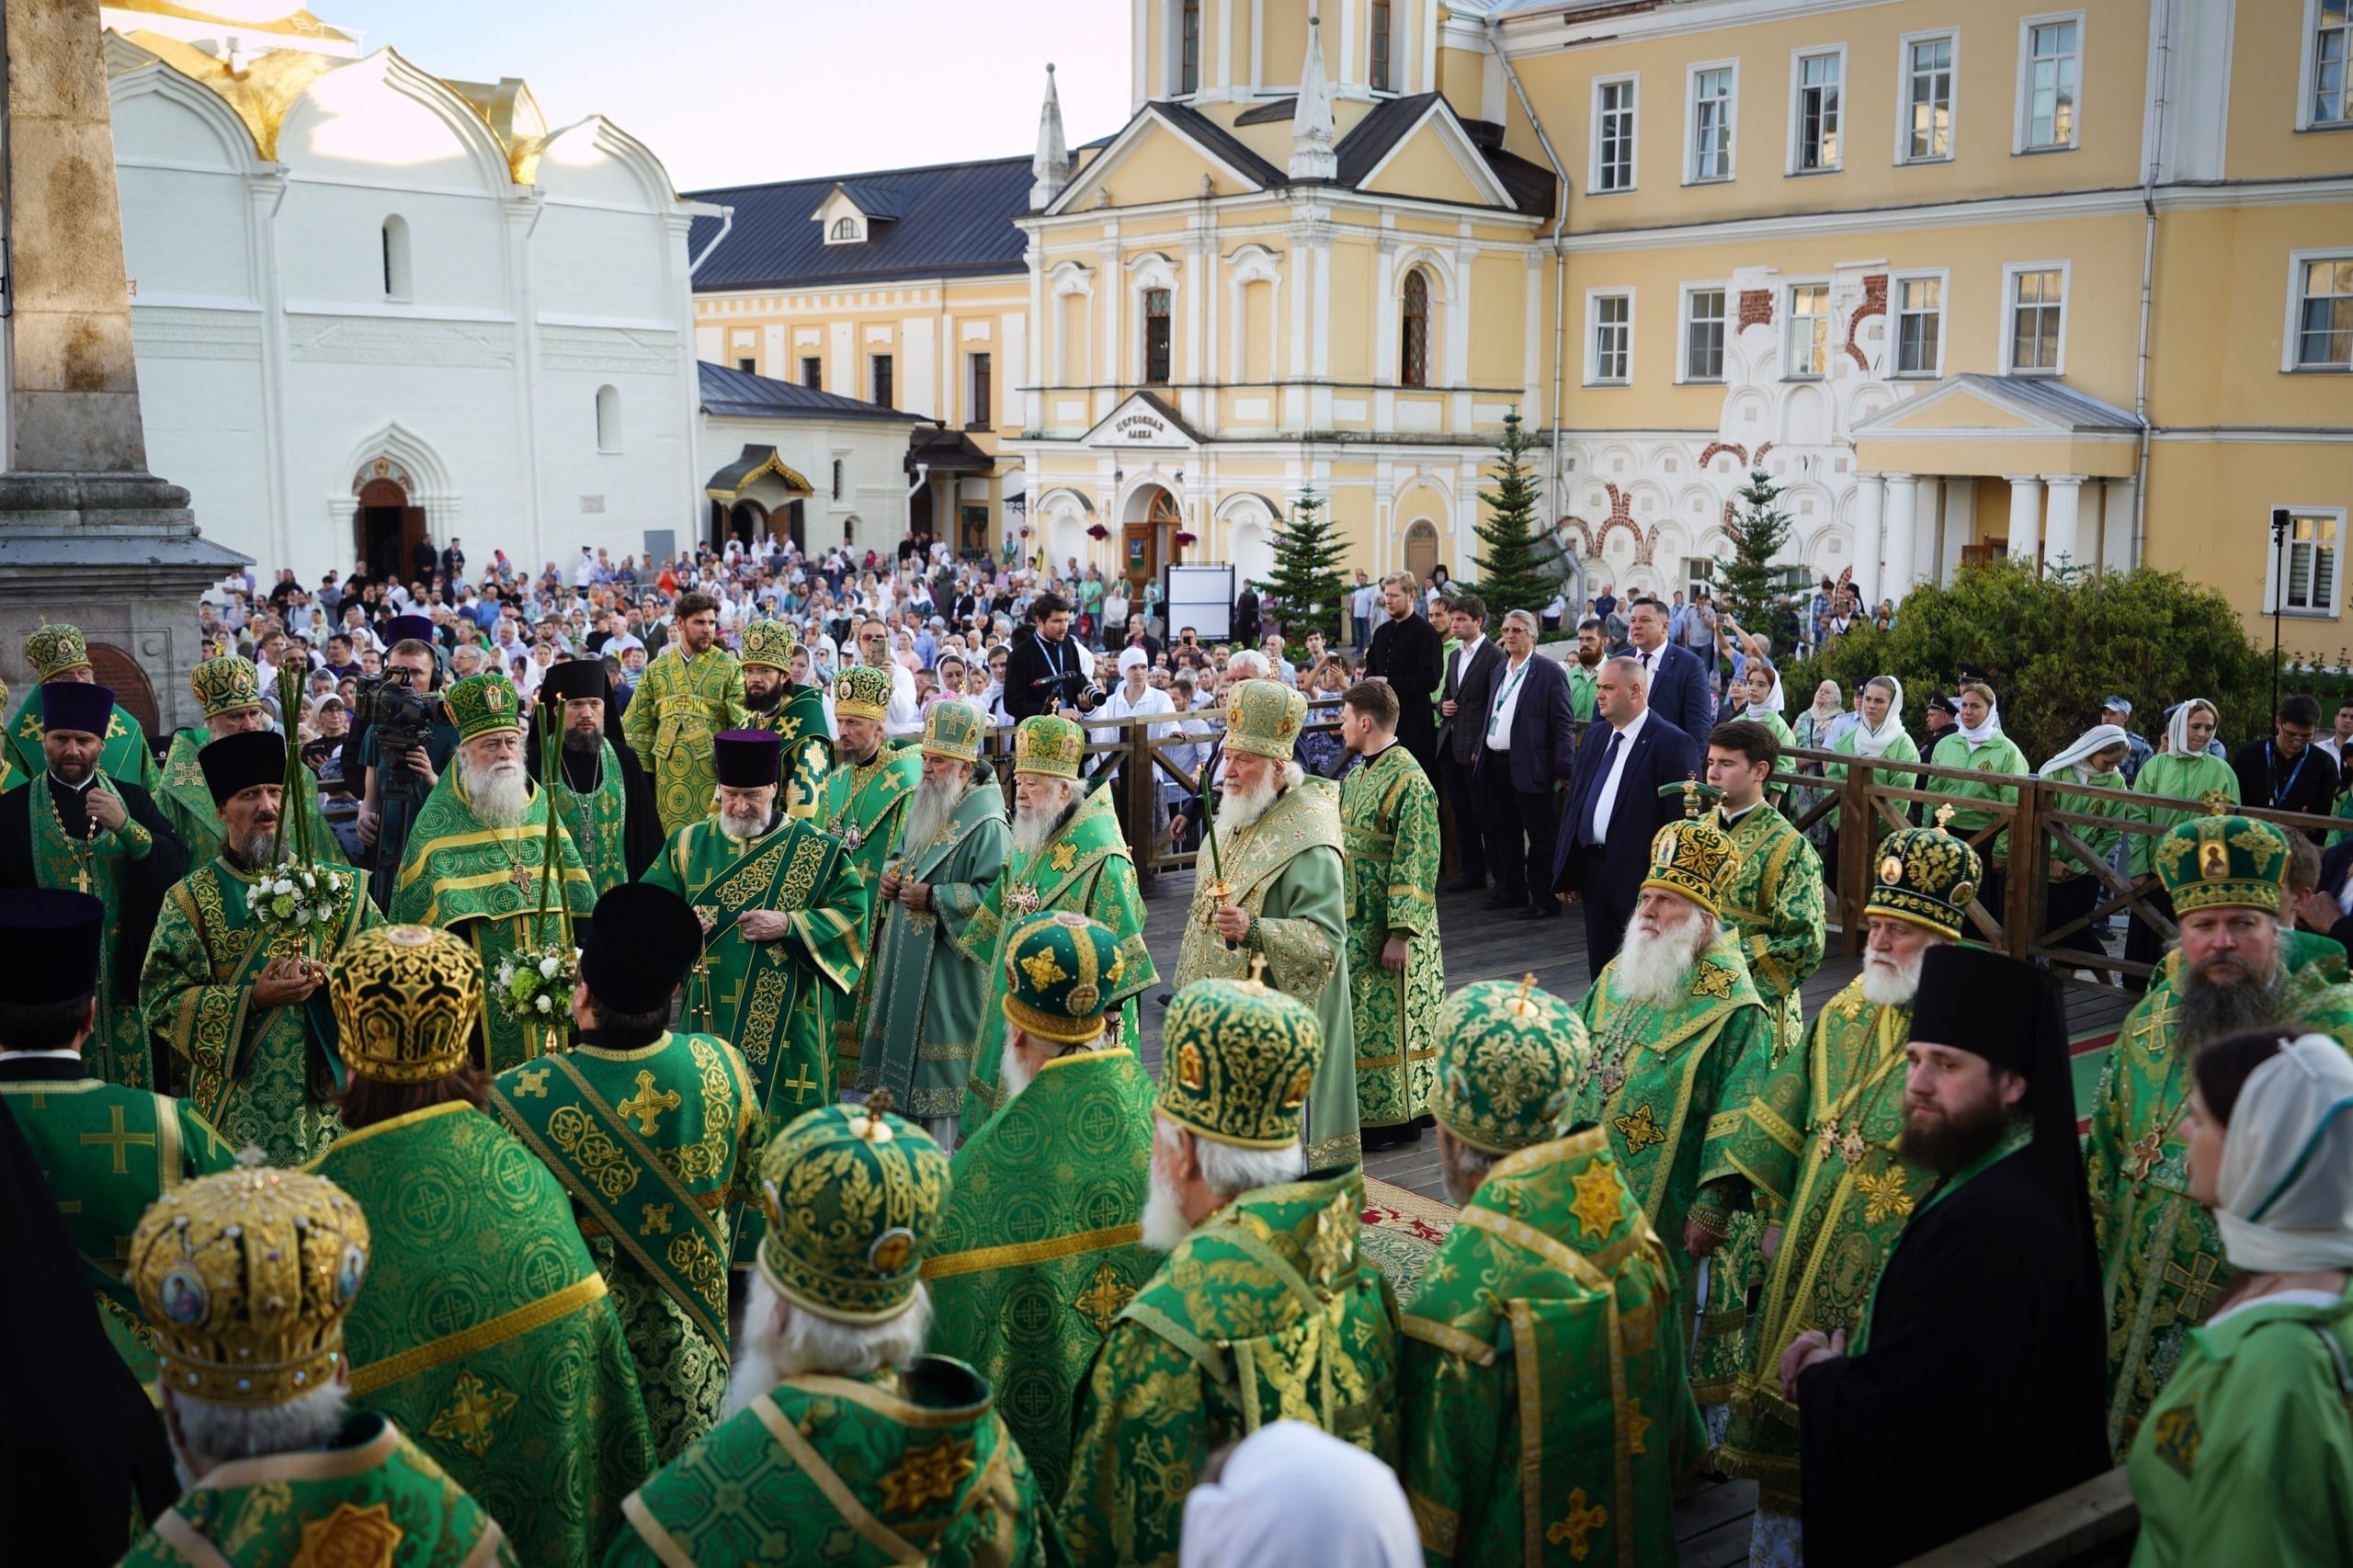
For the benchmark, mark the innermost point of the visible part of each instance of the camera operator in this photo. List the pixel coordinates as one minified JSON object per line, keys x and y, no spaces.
{"x":1046,"y":672}
{"x":400,"y":776}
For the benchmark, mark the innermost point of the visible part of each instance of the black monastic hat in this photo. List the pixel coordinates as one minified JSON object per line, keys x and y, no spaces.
{"x":76,"y":705}
{"x":639,"y":947}
{"x":53,"y":936}
{"x":570,"y":679}
{"x":747,"y":758}
{"x":410,"y":629}
{"x":241,"y":761}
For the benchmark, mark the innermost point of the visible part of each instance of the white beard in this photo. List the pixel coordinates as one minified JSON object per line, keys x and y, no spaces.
{"x":1032,"y":828}
{"x":1891,"y":982}
{"x":1013,"y":1075}
{"x":935,"y":801}
{"x":755,"y":1373}
{"x":498,"y":793}
{"x":1653,"y":969}
{"x":1238,"y":808}
{"x":1164,"y":1225}
{"x":748,"y":824}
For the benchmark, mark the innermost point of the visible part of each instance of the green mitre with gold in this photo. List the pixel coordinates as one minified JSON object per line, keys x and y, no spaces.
{"x":1264,"y":718}
{"x":2221,"y":861}
{"x":1049,"y":743}
{"x":480,"y":704}
{"x":1693,"y":858}
{"x":228,"y":684}
{"x":863,"y":691}
{"x":1509,"y":1059}
{"x":1238,"y":1058}
{"x":1927,"y":876}
{"x":953,"y":729}
{"x":768,"y":642}
{"x":852,"y":1195}
{"x":1060,"y":970}
{"x":55,"y":650}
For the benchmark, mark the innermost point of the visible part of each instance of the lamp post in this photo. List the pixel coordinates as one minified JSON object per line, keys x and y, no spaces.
{"x":2280,"y":525}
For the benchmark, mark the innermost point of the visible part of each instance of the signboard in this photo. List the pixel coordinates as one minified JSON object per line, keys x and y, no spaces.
{"x":1201,"y":596}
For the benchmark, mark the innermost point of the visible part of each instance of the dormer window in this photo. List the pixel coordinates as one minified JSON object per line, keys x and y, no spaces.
{"x":850,"y":211}
{"x":844,"y":229}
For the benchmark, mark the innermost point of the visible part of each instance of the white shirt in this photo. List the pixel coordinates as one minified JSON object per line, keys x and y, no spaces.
{"x":1119,"y":706}
{"x":1607,"y":801}
{"x":1650,"y":661}
{"x":1464,"y":654}
{"x":1507,"y":684}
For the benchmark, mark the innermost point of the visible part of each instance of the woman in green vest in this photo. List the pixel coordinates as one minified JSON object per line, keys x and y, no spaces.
{"x":2076,"y":888}
{"x":1979,"y":745}
{"x":2247,"y":1455}
{"x":2184,"y":771}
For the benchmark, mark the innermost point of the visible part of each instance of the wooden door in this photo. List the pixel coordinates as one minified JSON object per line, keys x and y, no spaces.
{"x":1421,"y":550}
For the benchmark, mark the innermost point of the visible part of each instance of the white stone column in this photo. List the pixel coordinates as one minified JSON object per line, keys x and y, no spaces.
{"x":2026,"y":515}
{"x":1903,"y":508}
{"x":2116,"y":525}
{"x":1871,"y":501}
{"x":2062,"y":544}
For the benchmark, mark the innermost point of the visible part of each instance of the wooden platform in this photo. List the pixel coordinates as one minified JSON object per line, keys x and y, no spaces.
{"x":1712,"y":1522}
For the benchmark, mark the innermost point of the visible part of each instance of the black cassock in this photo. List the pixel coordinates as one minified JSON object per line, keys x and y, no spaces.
{"x":144,"y":882}
{"x":1981,"y":1388}
{"x":1410,"y":656}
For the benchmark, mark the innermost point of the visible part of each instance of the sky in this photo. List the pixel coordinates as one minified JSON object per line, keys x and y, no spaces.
{"x":732,"y":92}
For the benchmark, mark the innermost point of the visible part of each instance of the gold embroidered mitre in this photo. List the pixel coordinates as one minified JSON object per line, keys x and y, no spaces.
{"x":1237,"y":1060}
{"x":852,"y":1194}
{"x":405,"y":1000}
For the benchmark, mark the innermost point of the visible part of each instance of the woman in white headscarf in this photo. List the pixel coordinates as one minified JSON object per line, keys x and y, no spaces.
{"x":1877,"y":734}
{"x":2095,"y":760}
{"x":2184,"y":772}
{"x":1290,"y":1495}
{"x":2247,"y":1456}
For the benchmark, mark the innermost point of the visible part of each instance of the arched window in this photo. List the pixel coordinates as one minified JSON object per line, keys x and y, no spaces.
{"x":1155,"y":336}
{"x":845,"y":229}
{"x":397,"y":284}
{"x":608,"y":419}
{"x":1414,"y":341}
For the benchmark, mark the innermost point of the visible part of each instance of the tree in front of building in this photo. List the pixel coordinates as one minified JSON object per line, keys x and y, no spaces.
{"x":1750,"y":587}
{"x":1520,"y":563}
{"x":1309,"y":593}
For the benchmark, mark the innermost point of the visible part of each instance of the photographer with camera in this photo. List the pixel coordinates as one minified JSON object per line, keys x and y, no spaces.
{"x":1048,"y":673}
{"x":410,"y":741}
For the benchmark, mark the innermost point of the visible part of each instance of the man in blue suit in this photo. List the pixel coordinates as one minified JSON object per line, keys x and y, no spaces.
{"x":1614,"y":808}
{"x":1528,"y":749}
{"x":1680,"y":690}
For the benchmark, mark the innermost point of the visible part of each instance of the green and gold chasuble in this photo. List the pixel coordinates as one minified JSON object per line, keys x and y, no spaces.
{"x":799,"y":720}
{"x":598,"y":821}
{"x":924,"y":1025}
{"x":118,"y":1049}
{"x":1389,"y":831}
{"x":370,"y":1497}
{"x":1038,"y":1248}
{"x":2161,"y":1255}
{"x":486,"y":1331}
{"x":863,"y":807}
{"x":1084,"y":868}
{"x":187,"y":805}
{"x":483,"y":883}
{"x":1664,"y":1081}
{"x":108,"y":1153}
{"x":1287,"y":870}
{"x":655,"y":1145}
{"x":1817,"y":1145}
{"x":885,"y":1468}
{"x":126,"y":754}
{"x":679,"y":707}
{"x":1266,"y":1311}
{"x":1547,"y":1416}
{"x":1775,"y":909}
{"x":261,"y":1076}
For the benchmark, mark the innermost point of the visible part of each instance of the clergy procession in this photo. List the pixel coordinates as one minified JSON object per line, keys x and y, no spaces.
{"x":733,"y":1135}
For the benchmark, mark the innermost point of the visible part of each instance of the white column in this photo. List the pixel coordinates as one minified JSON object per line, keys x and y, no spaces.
{"x":2061,"y":543}
{"x":1871,"y":501}
{"x":1928,"y":505}
{"x":1902,"y":505}
{"x":2116,"y":525}
{"x":2026,"y":515}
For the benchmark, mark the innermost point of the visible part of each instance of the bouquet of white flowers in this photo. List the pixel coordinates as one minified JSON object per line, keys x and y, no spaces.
{"x":534,"y":986}
{"x":297,"y":897}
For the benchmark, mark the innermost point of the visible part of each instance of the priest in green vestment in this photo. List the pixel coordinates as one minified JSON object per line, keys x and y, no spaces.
{"x":781,"y":908}
{"x":1389,"y":826}
{"x":228,"y":694}
{"x":486,"y":1331}
{"x":1678,"y":1031}
{"x":241,"y":1004}
{"x":692,"y":690}
{"x":1817,"y":1147}
{"x":108,"y":1152}
{"x":863,"y":808}
{"x":794,"y":713}
{"x":844,"y":1443}
{"x":477,"y":854}
{"x":1039,"y":1247}
{"x":2162,"y":1265}
{"x":77,"y":826}
{"x":656,"y":1136}
{"x":1265,"y":1310}
{"x":1547,"y":1416}
{"x":924,"y":1026}
{"x":58,"y":653}
{"x":1068,"y":854}
{"x":1277,"y":889}
{"x":602,"y":796}
{"x":247,"y":1277}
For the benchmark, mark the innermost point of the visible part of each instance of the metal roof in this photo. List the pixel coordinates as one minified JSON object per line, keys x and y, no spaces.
{"x":946,"y":220}
{"x":740,"y":392}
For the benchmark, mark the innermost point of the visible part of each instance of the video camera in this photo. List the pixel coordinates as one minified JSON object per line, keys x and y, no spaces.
{"x":1073,"y":687}
{"x":402,"y":718}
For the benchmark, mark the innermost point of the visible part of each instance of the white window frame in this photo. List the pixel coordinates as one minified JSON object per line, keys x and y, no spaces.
{"x":1789,"y":287}
{"x":2291,"y":336}
{"x":2009,"y":314}
{"x":1798,"y":57}
{"x":2271,"y":586}
{"x":1691,"y":175}
{"x":1683,"y":377}
{"x":2020,"y":146}
{"x":1592,"y":376}
{"x":1903,"y":96}
{"x":1942,"y":278}
{"x":1631,"y":80}
{"x":2308,"y":77}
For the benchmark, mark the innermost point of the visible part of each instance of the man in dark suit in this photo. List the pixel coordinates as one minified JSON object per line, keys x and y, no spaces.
{"x":1614,"y":808}
{"x":1462,"y":710}
{"x":1527,"y":750}
{"x":1407,"y":653}
{"x":1680,"y":691}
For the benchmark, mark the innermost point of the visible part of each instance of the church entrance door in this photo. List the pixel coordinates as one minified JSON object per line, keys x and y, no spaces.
{"x":386,"y":530}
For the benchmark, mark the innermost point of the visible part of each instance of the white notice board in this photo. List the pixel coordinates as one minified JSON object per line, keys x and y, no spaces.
{"x":1200,"y":597}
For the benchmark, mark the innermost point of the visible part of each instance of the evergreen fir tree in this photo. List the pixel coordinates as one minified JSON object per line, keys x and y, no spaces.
{"x":1307,"y":588}
{"x":1749,"y":587}
{"x":1519,"y":565}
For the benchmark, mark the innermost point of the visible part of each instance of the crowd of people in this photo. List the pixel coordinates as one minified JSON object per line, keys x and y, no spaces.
{"x":603,"y":1067}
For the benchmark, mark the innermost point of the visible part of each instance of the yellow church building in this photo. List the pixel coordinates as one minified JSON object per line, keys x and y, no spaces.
{"x":2070,"y":284}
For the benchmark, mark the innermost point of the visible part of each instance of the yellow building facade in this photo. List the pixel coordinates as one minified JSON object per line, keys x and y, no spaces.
{"x":2072,"y":283}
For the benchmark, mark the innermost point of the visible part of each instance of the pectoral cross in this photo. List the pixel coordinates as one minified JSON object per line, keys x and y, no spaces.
{"x":119,"y":1140}
{"x":81,"y":877}
{"x":2197,"y":1284}
{"x":800,"y":1084}
{"x":2146,"y":1152}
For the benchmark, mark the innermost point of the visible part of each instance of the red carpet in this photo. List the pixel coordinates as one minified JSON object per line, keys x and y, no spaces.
{"x":1402,"y":1231}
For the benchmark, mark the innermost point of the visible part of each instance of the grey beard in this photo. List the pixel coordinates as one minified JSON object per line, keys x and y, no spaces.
{"x":1031,"y":830}
{"x":934,"y":805}
{"x":1164,"y":1225}
{"x":2209,"y":1012}
{"x":1237,"y":810}
{"x":1653,"y":969}
{"x":1891,"y":985}
{"x":751,"y":827}
{"x":498,"y":794}
{"x":250,"y":854}
{"x":1013,"y":1074}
